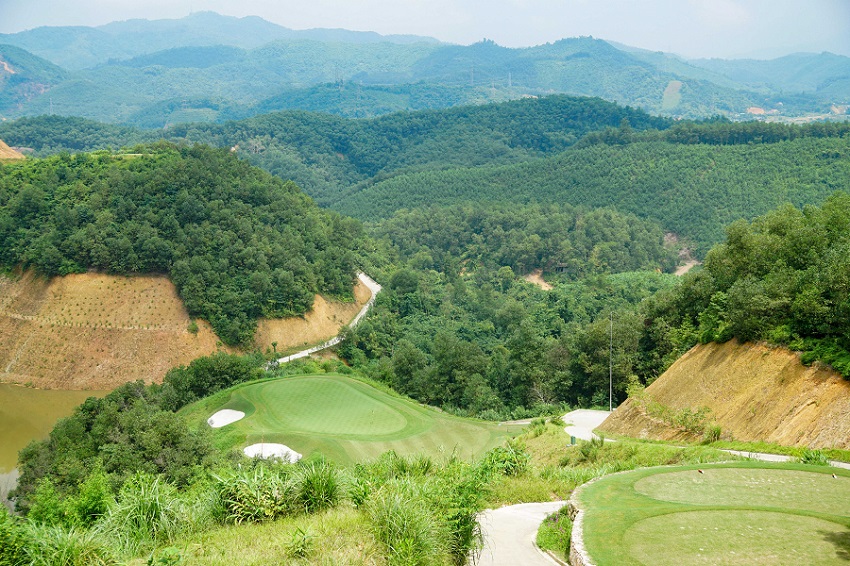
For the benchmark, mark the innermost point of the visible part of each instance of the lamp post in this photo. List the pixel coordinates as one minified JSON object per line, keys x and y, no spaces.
{"x":611,"y":367}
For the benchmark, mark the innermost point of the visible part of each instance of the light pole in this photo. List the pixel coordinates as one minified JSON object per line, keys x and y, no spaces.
{"x":611,"y":367}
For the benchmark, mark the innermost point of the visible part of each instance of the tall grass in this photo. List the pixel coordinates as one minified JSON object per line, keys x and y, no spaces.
{"x":261,"y":493}
{"x":55,"y":545}
{"x":319,"y":485}
{"x":148,"y":512}
{"x":403,"y":523}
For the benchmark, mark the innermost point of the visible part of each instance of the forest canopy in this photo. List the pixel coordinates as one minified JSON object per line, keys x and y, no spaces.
{"x":238,"y":243}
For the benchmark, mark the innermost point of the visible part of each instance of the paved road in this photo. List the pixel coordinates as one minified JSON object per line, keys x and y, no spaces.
{"x":374,"y":287}
{"x":509,"y":534}
{"x":581,"y":422}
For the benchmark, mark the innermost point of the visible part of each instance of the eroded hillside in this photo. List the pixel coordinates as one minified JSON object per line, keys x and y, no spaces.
{"x":96,"y":331}
{"x":7,"y":152}
{"x":755,"y":393}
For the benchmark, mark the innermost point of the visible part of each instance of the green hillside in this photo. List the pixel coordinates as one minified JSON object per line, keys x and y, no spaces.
{"x":238,"y":243}
{"x":344,"y":419}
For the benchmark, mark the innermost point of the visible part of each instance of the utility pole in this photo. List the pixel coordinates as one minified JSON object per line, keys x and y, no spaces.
{"x":611,"y":367}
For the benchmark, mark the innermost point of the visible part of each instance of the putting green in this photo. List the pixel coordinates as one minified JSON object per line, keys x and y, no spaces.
{"x":735,"y":514}
{"x":342,"y":418}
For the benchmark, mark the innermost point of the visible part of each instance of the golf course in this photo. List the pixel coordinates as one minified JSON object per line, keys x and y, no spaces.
{"x":734,"y":513}
{"x":343,"y":419}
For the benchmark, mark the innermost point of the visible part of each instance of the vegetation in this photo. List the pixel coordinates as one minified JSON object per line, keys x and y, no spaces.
{"x":777,"y":279}
{"x":237,"y":243}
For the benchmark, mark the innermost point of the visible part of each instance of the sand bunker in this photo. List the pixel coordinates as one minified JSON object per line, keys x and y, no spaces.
{"x":269,"y":450}
{"x":224,"y":417}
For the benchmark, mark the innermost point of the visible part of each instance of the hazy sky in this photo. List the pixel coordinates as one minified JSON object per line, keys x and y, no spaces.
{"x":692,"y":28}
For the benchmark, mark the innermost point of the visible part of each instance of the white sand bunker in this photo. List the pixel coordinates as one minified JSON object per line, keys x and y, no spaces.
{"x":271,"y":450}
{"x":224,"y":417}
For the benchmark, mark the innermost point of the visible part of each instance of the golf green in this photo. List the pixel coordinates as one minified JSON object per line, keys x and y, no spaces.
{"x":344,"y":419}
{"x":734,"y":514}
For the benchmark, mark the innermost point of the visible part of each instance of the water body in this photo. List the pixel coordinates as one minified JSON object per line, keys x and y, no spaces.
{"x":28,"y":414}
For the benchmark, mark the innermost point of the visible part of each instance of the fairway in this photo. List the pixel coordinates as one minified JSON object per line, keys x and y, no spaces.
{"x":734,"y":514}
{"x":344,"y":419}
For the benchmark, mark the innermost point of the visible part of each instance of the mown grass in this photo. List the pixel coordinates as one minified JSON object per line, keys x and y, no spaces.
{"x":732,"y":513}
{"x":344,"y":419}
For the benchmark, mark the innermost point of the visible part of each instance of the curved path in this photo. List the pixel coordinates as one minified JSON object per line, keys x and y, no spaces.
{"x":374,"y":287}
{"x":509,"y":534}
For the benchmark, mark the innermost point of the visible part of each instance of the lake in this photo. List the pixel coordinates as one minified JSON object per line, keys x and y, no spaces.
{"x":28,"y":414}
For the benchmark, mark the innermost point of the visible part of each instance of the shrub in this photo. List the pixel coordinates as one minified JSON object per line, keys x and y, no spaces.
{"x":13,"y":540}
{"x":555,"y":532}
{"x":813,"y":457}
{"x":512,"y":459}
{"x":148,"y":512}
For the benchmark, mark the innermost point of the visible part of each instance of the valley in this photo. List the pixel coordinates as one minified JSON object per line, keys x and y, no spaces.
{"x":187,"y":211}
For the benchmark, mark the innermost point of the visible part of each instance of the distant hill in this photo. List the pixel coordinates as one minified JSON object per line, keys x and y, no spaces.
{"x":755,"y":393}
{"x":823,"y":74}
{"x":77,"y":48}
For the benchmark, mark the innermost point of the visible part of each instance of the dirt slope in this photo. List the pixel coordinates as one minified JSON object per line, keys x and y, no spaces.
{"x":755,"y":393}
{"x":7,"y":152}
{"x":95,"y":331}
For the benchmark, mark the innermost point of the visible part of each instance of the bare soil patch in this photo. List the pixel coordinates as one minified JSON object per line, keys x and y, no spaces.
{"x":536,"y":277}
{"x":7,"y":152}
{"x":755,"y":393}
{"x":96,"y":331}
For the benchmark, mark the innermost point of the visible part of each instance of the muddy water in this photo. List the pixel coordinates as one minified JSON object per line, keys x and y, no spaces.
{"x":29,"y":414}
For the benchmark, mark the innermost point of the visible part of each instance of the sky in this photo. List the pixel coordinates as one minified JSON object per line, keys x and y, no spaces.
{"x":691,"y":28}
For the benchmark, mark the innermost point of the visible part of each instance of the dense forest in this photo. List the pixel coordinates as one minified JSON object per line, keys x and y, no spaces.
{"x":238,"y":243}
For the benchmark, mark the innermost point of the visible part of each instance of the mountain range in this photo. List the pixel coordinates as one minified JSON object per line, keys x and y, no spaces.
{"x":211,"y":68}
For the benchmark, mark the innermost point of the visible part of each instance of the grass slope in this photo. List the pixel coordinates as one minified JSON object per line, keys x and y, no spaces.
{"x":743,"y":513}
{"x":344,"y":419}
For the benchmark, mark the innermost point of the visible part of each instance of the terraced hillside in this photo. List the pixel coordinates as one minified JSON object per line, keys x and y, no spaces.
{"x":96,"y":331}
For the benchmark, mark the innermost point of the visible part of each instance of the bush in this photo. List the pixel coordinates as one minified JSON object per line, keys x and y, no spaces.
{"x":13,"y":540}
{"x":512,"y":459}
{"x":814,"y":458}
{"x":555,"y":532}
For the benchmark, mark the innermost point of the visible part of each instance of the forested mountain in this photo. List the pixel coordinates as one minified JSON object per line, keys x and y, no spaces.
{"x":238,"y":243}
{"x":212,"y":68}
{"x":824,"y":74}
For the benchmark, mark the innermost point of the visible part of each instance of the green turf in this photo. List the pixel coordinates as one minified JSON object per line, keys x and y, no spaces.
{"x":741,"y":513}
{"x":344,"y":419}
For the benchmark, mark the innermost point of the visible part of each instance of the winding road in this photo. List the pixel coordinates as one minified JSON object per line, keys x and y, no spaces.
{"x":374,"y":287}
